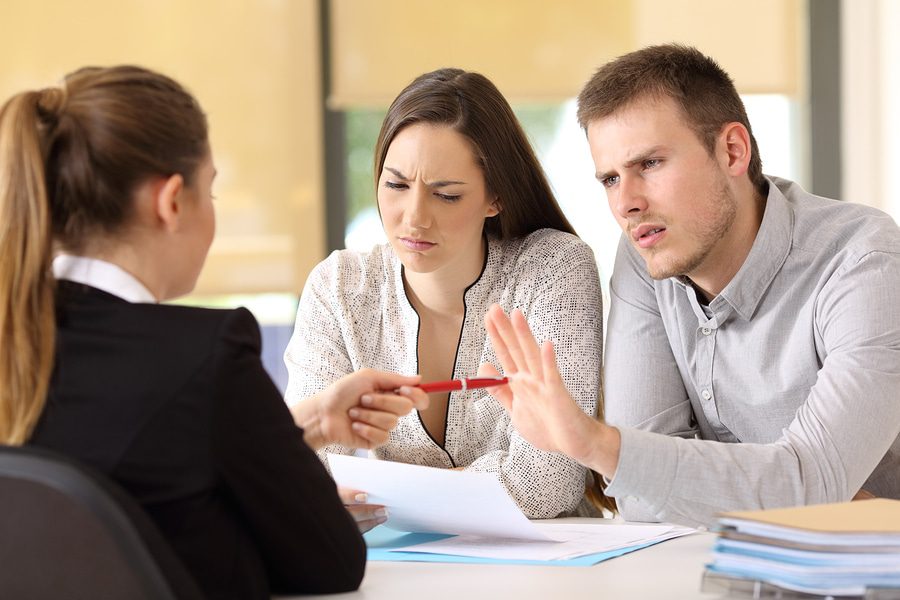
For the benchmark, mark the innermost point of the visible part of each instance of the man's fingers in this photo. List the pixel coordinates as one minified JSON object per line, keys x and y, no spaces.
{"x":501,"y":329}
{"x":527,"y":345}
{"x":500,"y":393}
{"x":500,"y":349}
{"x":551,"y":370}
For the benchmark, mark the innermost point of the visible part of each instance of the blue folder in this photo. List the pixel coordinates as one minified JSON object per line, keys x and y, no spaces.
{"x":381,"y":539}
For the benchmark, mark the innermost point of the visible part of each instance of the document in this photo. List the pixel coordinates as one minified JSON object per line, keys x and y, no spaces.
{"x":429,"y":500}
{"x":574,"y":540}
{"x":475,"y":509}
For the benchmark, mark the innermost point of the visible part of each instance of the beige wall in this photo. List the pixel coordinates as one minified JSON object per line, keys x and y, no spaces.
{"x":253,"y":65}
{"x":536,"y":50}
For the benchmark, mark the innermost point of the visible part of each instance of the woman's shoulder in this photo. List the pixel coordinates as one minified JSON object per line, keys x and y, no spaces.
{"x":202,"y":327}
{"x":547,"y":250}
{"x":346,"y":271}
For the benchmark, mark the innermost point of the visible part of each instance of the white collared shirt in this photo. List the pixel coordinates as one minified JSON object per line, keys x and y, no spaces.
{"x":104,"y":276}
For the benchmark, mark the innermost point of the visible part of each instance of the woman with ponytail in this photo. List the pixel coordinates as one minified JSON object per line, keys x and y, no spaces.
{"x":105,"y":211}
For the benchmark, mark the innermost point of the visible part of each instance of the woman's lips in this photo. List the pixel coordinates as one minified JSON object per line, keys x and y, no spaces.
{"x":417,"y":245}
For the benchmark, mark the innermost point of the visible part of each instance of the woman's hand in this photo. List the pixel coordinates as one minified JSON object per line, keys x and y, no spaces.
{"x":367,"y":516}
{"x":358,"y":410}
{"x":536,"y":398}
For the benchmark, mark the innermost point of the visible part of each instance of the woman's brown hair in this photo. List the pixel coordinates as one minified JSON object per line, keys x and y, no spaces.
{"x":474,"y":107}
{"x":70,"y":159}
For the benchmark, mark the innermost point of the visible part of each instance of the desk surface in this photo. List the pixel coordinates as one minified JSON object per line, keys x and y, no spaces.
{"x":671,"y":569}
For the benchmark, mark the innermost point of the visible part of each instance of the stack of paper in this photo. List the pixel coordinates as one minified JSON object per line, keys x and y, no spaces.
{"x":828,"y":549}
{"x":444,"y":513}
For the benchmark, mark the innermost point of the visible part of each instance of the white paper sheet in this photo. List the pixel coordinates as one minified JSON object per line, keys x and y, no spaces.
{"x":578,"y":540}
{"x":430,"y":500}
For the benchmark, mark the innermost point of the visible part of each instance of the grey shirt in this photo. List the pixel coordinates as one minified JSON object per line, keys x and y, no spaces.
{"x":785,"y":390}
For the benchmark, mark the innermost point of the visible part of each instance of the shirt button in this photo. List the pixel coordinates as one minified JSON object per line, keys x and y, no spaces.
{"x":706,"y":331}
{"x":706,"y":395}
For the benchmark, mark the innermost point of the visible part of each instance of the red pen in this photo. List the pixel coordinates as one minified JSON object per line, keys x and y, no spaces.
{"x":469,"y":383}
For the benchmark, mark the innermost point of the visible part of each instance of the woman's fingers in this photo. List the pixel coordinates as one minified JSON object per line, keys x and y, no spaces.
{"x":376,"y":418}
{"x":383,"y":380}
{"x":352,"y":496}
{"x":367,"y":516}
{"x":368,"y":437}
{"x":387,"y":402}
{"x":416,"y":395}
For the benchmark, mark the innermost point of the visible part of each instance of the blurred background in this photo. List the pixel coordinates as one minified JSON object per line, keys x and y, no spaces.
{"x":295,"y":91}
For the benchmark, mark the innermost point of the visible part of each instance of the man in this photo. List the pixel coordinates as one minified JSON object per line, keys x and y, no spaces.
{"x":753,"y":346}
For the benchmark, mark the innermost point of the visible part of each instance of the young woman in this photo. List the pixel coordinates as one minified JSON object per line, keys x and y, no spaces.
{"x":113,"y":169}
{"x":470,"y":221}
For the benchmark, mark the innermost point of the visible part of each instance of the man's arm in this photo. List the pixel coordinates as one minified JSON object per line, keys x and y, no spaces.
{"x":840,"y":434}
{"x":643,"y":388}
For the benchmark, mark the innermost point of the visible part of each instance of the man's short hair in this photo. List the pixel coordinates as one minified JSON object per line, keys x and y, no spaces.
{"x":699,"y":86}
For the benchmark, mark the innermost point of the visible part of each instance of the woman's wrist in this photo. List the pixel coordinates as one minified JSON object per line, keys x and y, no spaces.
{"x":306,"y":418}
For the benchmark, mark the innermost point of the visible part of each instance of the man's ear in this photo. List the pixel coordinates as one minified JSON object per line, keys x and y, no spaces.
{"x":168,"y":201}
{"x":735,"y":142}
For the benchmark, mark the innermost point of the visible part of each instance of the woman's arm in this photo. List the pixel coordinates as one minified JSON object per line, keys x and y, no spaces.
{"x":308,"y":541}
{"x":316,"y":355}
{"x":565,"y":308}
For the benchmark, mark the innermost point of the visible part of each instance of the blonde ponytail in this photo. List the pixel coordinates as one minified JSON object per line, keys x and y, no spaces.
{"x":70,"y":159}
{"x":27,"y":322}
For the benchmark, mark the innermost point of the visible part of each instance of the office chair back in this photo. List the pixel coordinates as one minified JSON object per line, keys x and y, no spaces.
{"x":66,"y":531}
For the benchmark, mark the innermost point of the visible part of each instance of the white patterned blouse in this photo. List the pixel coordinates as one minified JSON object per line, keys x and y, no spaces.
{"x":354,"y":314}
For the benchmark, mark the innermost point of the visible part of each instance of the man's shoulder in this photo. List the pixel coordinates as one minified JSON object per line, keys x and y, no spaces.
{"x":834,"y":226}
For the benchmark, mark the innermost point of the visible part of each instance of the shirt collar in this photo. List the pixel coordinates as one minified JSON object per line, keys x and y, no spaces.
{"x":492,"y":258}
{"x":767,"y":255}
{"x":102,"y":275}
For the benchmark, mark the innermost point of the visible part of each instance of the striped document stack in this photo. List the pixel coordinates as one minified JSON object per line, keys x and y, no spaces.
{"x":850,"y":549}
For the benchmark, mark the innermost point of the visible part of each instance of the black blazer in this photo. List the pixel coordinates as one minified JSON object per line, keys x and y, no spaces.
{"x":173,"y":403}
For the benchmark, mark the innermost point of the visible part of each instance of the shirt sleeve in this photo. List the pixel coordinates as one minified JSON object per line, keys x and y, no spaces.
{"x":308,"y":541}
{"x":656,"y":399}
{"x":316,"y":355}
{"x":566,"y":308}
{"x":849,"y":420}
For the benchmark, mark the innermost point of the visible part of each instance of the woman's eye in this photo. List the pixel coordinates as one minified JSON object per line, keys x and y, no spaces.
{"x":449,"y":197}
{"x":393,"y":185}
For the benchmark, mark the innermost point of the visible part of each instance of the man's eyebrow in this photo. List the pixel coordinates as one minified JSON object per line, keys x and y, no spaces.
{"x":634,"y":160}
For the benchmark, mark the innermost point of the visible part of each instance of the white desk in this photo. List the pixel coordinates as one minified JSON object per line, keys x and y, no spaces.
{"x":671,"y":569}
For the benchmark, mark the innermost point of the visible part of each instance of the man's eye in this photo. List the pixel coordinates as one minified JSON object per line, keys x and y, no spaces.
{"x":651,"y":162}
{"x":610,"y":181}
{"x":449,"y":197}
